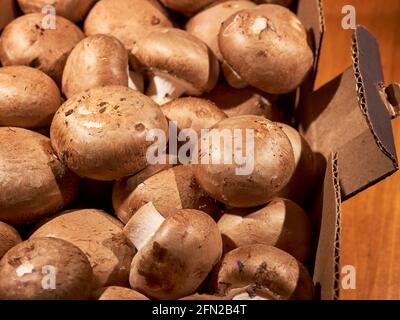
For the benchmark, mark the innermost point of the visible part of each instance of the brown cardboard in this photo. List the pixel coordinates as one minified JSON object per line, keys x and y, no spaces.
{"x":8,"y":12}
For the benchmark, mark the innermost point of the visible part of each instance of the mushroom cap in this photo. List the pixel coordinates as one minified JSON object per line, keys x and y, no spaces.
{"x":33,"y":182}
{"x":101,"y":134}
{"x":269,"y":162}
{"x":100,"y":237}
{"x":29,"y":98}
{"x":282,"y":224}
{"x":25,"y":42}
{"x":206,"y":24}
{"x":96,"y":61}
{"x":187,"y":7}
{"x":179,"y":256}
{"x":126,"y":20}
{"x":171,"y":189}
{"x":193,"y":113}
{"x":73,"y":10}
{"x":270,"y":269}
{"x":8,"y":12}
{"x":119,"y":293}
{"x":304,"y":179}
{"x":24,"y":268}
{"x":241,"y":102}
{"x":9,"y":237}
{"x":125,"y":186}
{"x":267,"y":46}
{"x":180,"y":55}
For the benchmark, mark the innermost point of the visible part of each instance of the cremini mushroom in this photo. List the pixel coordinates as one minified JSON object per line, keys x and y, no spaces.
{"x":304,"y":179}
{"x":9,"y":237}
{"x":29,"y":41}
{"x":29,"y":98}
{"x":119,"y":293}
{"x":101,"y":134}
{"x":100,"y":237}
{"x":33,"y":181}
{"x":247,"y":101}
{"x":271,"y":270}
{"x":96,"y":61}
{"x":73,"y":10}
{"x":126,"y":20}
{"x":267,"y":47}
{"x":171,"y":189}
{"x":187,"y":7}
{"x":45,"y":269}
{"x":254,"y":162}
{"x":281,"y":223}
{"x":176,"y":63}
{"x":175,"y":254}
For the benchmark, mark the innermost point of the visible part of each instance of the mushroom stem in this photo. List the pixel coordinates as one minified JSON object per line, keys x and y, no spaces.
{"x":143,"y":225}
{"x":164,"y":88}
{"x":135,"y":81}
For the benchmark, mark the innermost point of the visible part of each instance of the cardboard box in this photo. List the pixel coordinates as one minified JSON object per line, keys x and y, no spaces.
{"x":348,"y":124}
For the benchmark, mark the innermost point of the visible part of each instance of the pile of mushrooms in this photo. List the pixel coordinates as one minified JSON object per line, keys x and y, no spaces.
{"x":84,"y":213}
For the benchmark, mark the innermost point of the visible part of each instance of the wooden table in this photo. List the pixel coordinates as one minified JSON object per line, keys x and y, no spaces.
{"x":371,"y":220}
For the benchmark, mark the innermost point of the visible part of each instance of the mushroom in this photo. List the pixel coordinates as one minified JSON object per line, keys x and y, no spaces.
{"x":304,"y":179}
{"x":126,"y":20}
{"x":101,"y":134}
{"x":240,"y":102}
{"x":206,"y":26}
{"x":9,"y":237}
{"x":187,"y":7}
{"x":96,"y":61}
{"x":285,"y":3}
{"x":119,"y":293}
{"x":22,"y":102}
{"x":193,"y":113}
{"x":8,"y":12}
{"x":73,"y":10}
{"x":45,"y":269}
{"x":271,"y":271}
{"x":246,"y":293}
{"x":249,"y":180}
{"x":168,"y":190}
{"x":33,"y":181}
{"x":176,"y":63}
{"x":28,"y":41}
{"x":267,"y":47}
{"x":175,"y":254}
{"x":100,"y":237}
{"x":282,"y":224}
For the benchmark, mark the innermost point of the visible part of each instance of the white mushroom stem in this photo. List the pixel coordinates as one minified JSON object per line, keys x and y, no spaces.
{"x":143,"y":225}
{"x":232,"y":77}
{"x":135,"y":80}
{"x":164,"y":88}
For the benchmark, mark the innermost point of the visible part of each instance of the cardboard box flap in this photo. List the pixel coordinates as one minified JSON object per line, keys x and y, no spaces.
{"x":349,"y":115}
{"x":327,"y":215}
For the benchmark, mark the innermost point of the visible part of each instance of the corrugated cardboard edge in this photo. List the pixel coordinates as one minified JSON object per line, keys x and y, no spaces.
{"x":327,"y":215}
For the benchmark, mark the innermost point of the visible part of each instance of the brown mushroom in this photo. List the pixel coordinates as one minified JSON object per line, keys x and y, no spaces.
{"x":249,"y":180}
{"x":29,"y":98}
{"x":27,"y":41}
{"x":100,"y":237}
{"x":304,"y":179}
{"x":282,"y":224}
{"x":240,"y":102}
{"x":193,"y":113}
{"x":119,"y":293}
{"x":271,"y":270}
{"x":8,"y":12}
{"x":33,"y":181}
{"x":45,"y":269}
{"x":175,"y":254}
{"x":285,"y":3}
{"x":126,"y":20}
{"x":187,"y":7}
{"x":176,"y":63}
{"x":96,"y":61}
{"x":73,"y":10}
{"x":9,"y":237}
{"x":168,"y":190}
{"x":101,"y":134}
{"x":267,"y":47}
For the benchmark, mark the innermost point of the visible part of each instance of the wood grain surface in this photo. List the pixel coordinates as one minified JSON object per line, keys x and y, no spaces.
{"x":371,"y":220}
